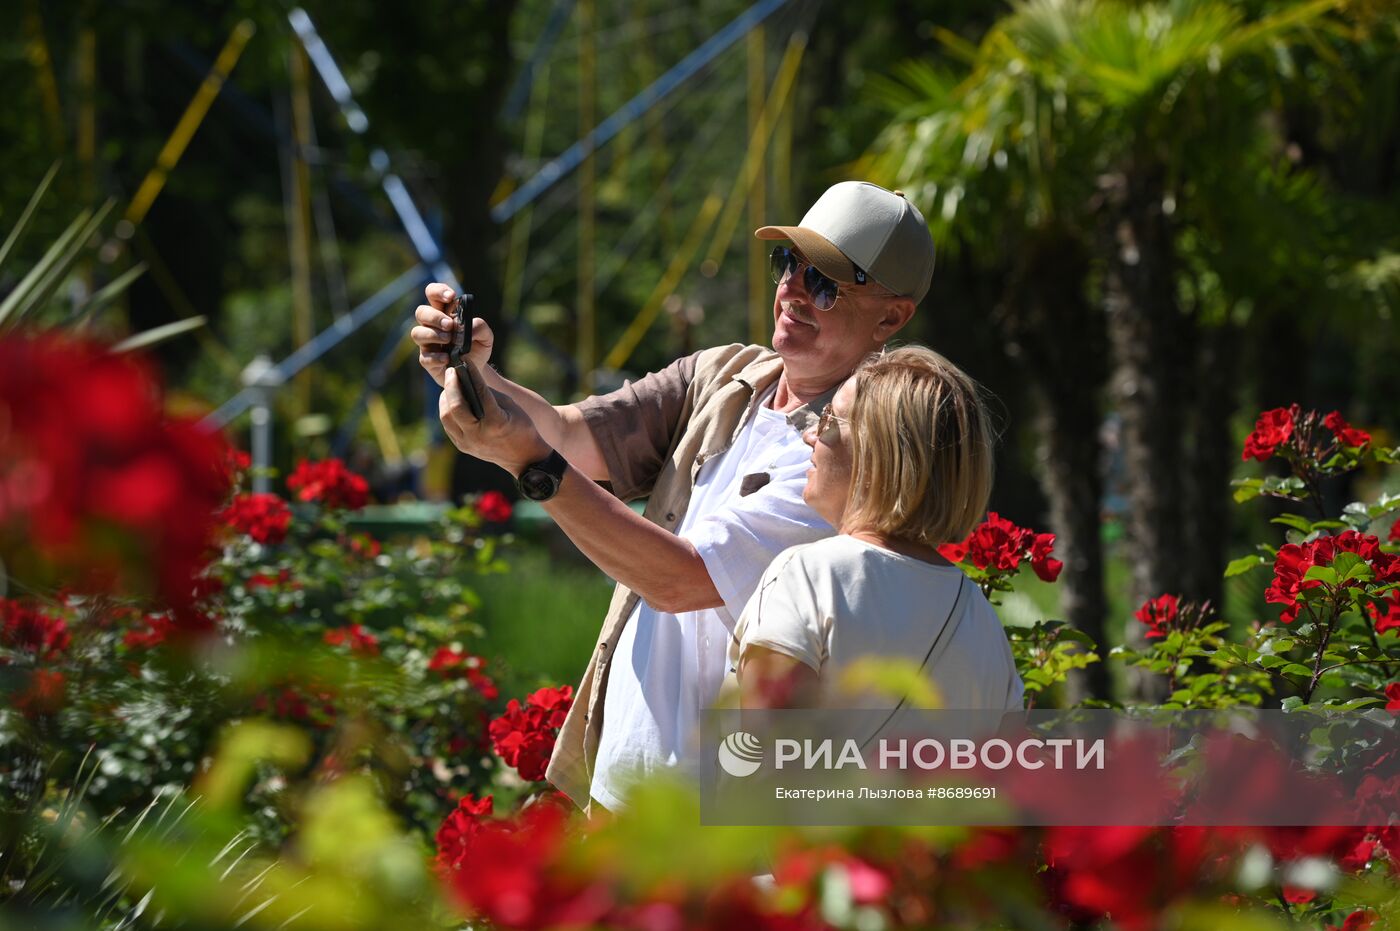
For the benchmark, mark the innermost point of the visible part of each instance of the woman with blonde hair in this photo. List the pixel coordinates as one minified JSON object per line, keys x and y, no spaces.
{"x":901,"y":463}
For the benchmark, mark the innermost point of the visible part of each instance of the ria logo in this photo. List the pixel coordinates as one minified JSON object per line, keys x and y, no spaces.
{"x":740,"y":754}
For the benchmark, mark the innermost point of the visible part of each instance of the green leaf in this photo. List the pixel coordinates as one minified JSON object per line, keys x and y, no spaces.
{"x":23,"y":221}
{"x":1291,"y":703}
{"x":1242,"y":565}
{"x":1297,"y":669}
{"x":52,"y":258}
{"x":1247,"y":489}
{"x":1294,"y":521}
{"x":1324,"y":574}
{"x":159,"y":334}
{"x":40,"y":291}
{"x":107,"y":294}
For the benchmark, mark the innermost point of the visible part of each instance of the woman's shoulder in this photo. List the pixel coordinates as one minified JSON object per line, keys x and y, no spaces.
{"x":822,"y":554}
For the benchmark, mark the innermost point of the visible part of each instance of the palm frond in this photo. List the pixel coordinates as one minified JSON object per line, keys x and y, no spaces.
{"x":24,"y":217}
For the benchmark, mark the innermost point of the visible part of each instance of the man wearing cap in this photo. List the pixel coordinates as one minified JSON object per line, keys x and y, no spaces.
{"x":714,"y":442}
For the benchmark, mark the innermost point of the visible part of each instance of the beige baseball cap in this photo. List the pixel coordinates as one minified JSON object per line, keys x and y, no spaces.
{"x":858,"y":231}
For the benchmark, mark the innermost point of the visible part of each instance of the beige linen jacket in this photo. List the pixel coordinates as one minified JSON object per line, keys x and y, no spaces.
{"x":655,"y":434}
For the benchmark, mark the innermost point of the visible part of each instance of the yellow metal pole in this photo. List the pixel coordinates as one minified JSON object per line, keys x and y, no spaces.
{"x":36,"y":49}
{"x":299,"y":216}
{"x":587,"y":204}
{"x":519,"y":247}
{"x":383,"y":426}
{"x":758,"y":279}
{"x":753,"y":158}
{"x":782,"y":162}
{"x":185,"y":129}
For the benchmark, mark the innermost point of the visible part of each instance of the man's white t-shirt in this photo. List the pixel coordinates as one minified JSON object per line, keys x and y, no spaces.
{"x":668,"y":667}
{"x":832,"y":602}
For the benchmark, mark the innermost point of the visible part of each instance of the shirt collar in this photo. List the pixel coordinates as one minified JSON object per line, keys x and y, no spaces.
{"x":760,"y":375}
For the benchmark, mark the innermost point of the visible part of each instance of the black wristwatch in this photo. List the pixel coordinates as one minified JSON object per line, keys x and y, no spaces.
{"x":540,"y":480}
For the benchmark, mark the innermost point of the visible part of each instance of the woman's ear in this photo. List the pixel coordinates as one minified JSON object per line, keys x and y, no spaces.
{"x":895,"y":313}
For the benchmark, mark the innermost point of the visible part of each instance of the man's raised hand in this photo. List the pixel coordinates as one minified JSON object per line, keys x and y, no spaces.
{"x":505,"y":434}
{"x":434,"y":328}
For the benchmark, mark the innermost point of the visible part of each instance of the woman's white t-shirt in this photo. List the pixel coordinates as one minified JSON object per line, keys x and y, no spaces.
{"x":835,"y":601}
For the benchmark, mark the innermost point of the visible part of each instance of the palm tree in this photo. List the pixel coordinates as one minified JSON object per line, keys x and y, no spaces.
{"x":1083,"y":140}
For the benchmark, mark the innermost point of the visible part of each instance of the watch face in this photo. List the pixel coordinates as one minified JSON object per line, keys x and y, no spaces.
{"x":537,"y":484}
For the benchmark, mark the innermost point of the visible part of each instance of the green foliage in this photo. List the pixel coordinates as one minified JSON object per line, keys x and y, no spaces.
{"x":1046,"y":653}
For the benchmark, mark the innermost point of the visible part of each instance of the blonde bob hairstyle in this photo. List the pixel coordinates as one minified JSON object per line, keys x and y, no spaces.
{"x":921,"y":448}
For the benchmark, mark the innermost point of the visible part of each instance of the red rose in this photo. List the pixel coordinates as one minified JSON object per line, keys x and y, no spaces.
{"x":452,"y":663}
{"x":1359,"y":920}
{"x":1159,"y":615}
{"x":1131,"y":873}
{"x":355,"y":637}
{"x":457,"y":829}
{"x":996,"y":542}
{"x":953,"y":552}
{"x":1346,"y":434}
{"x":515,"y":874}
{"x":1043,"y":564}
{"x":264,"y":517}
{"x":157,"y":630}
{"x":1386,"y":612}
{"x":1392,"y":692}
{"x":236,"y":462}
{"x":44,"y":695}
{"x":98,"y":486}
{"x":1296,"y":895}
{"x":330,"y":483}
{"x":263,"y":580}
{"x":1271,"y":430}
{"x":26,"y":628}
{"x":365,"y":546}
{"x":524,"y":736}
{"x":494,"y":507}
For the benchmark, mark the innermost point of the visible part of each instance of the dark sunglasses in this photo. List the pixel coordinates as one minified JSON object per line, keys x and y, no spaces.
{"x":823,"y":291}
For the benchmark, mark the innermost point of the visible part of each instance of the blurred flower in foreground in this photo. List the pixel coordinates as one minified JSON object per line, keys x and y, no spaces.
{"x":99,"y":489}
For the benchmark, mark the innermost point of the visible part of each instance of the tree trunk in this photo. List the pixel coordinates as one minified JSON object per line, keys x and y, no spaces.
{"x":1058,"y":338}
{"x":470,"y":235}
{"x":1151,"y":340}
{"x":1211,"y":459}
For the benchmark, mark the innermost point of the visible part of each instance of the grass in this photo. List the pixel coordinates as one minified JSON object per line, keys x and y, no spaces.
{"x":541,"y":618}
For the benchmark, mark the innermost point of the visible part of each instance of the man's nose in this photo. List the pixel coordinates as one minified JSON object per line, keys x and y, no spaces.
{"x":792,"y":286}
{"x":809,"y":436}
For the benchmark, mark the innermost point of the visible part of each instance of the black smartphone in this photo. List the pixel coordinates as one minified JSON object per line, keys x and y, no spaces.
{"x":457,"y":349}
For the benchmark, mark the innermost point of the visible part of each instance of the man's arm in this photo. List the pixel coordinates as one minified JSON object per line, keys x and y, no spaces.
{"x":662,"y":568}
